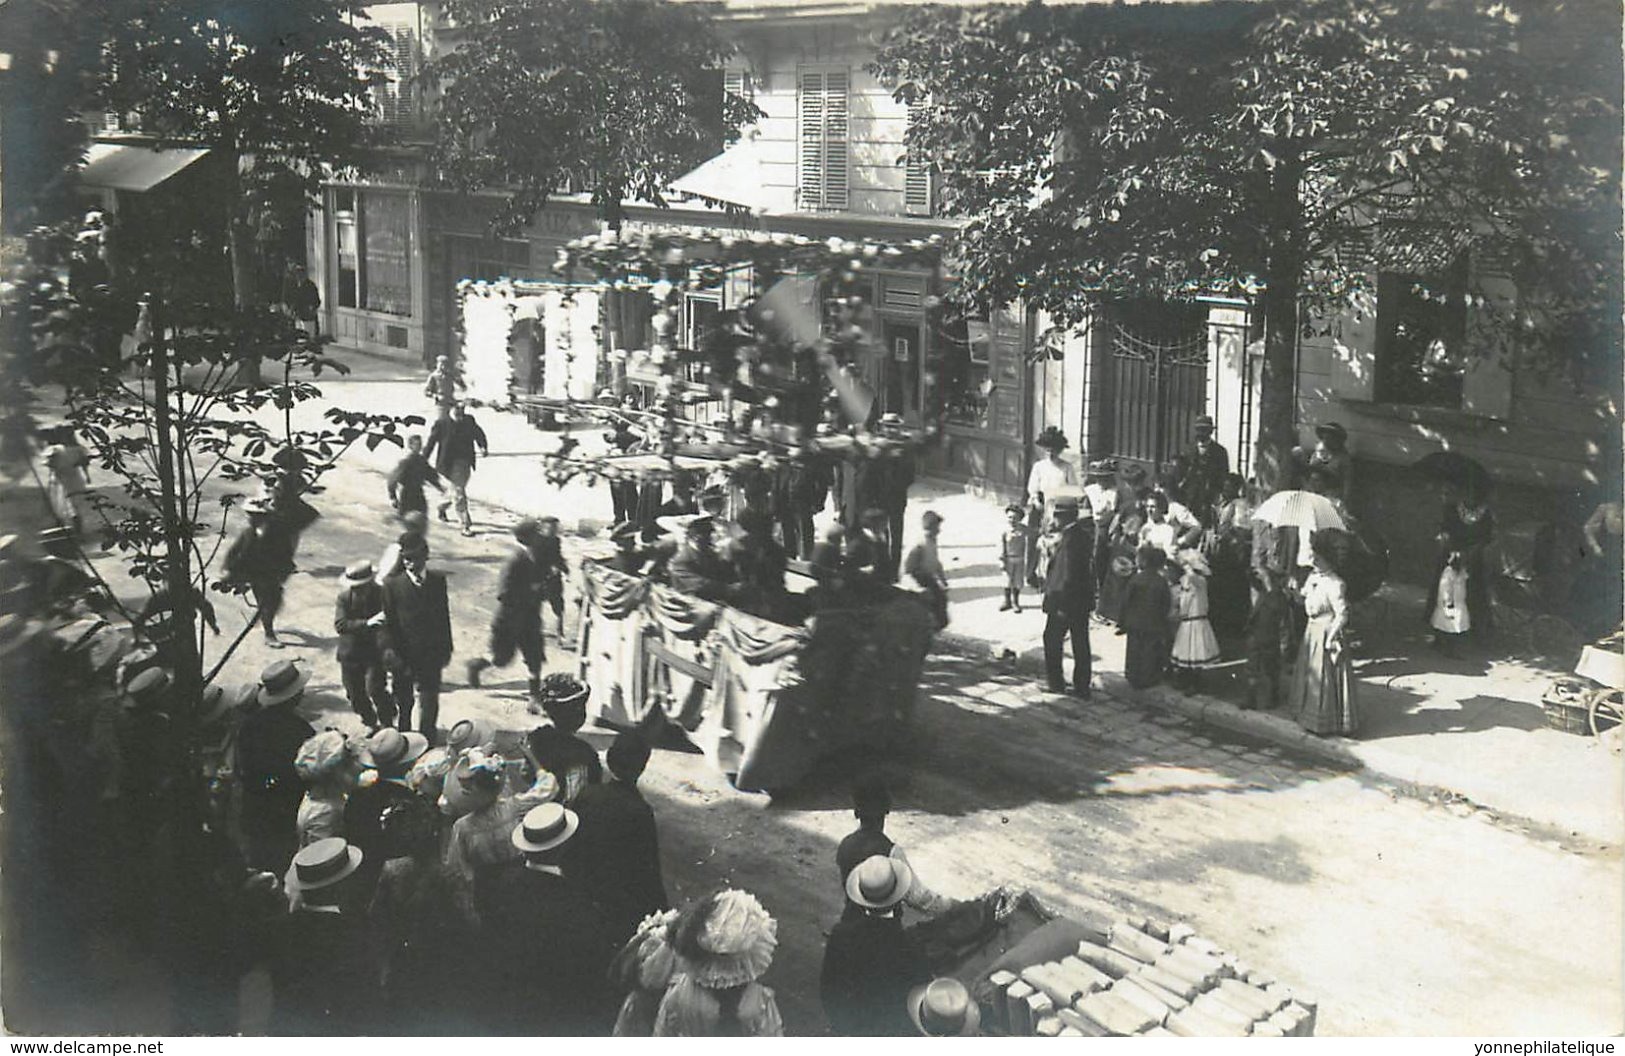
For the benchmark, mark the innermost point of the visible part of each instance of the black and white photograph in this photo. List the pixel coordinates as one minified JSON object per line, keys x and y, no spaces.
{"x":812,"y":518}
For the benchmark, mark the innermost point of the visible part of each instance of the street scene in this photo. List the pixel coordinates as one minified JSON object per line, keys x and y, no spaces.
{"x":1063,"y":520}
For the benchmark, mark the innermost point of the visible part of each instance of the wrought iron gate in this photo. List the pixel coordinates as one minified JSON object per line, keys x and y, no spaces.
{"x":1158,"y":388}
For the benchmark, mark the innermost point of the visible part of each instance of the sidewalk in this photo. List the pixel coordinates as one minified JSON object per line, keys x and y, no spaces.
{"x":1473,"y":730}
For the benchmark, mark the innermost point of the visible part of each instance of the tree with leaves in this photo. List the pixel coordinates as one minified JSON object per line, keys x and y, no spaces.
{"x":281,"y":92}
{"x":1286,"y":151}
{"x":619,"y":97}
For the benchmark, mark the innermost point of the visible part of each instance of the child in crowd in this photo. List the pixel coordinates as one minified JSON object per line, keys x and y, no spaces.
{"x":1146,"y":605}
{"x":1266,"y":628}
{"x":1013,"y":556}
{"x":1194,"y":643}
{"x":1450,"y":618}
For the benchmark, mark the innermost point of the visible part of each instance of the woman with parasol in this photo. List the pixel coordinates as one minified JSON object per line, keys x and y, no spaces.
{"x":1321,"y":691}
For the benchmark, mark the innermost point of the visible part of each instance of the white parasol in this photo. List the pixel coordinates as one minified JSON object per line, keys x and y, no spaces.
{"x":1299,"y":509}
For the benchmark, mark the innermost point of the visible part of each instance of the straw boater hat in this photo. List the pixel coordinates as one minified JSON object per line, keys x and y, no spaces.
{"x":323,"y":864}
{"x":281,"y":682}
{"x":545,"y":827}
{"x":466,"y":734}
{"x":879,"y":882}
{"x":943,"y":1008}
{"x":390,"y":749}
{"x":359,"y":573}
{"x":146,"y":690}
{"x":726,"y":941}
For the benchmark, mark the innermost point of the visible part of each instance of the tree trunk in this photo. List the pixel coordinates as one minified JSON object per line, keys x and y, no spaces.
{"x":244,"y":281}
{"x":1277,"y":399}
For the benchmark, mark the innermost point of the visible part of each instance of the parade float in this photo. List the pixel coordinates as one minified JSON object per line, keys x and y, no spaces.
{"x":769,"y":397}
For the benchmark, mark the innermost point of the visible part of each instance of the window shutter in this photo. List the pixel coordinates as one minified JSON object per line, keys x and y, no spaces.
{"x":916,"y":172}
{"x":736,"y":82}
{"x":812,"y":140}
{"x":836,"y":86}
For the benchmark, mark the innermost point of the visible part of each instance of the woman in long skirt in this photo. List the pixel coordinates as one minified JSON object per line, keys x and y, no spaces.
{"x":1322,"y":688}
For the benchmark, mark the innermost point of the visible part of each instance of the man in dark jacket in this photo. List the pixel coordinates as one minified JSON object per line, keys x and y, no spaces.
{"x":544,"y":936}
{"x":391,"y":753}
{"x":266,"y":745}
{"x":358,"y":615}
{"x":261,"y":558}
{"x":1069,"y":599}
{"x":1201,"y":472}
{"x":620,"y":845}
{"x":452,"y":442}
{"x":323,"y":981}
{"x":697,"y":569}
{"x":407,"y":479}
{"x":417,"y":636}
{"x":870,"y":963}
{"x":517,"y":624}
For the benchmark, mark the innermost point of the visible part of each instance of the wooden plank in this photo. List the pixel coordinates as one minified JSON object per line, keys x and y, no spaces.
{"x":682,"y":664}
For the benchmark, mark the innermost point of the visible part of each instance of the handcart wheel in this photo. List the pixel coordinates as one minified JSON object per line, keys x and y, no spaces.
{"x":1606,"y":711}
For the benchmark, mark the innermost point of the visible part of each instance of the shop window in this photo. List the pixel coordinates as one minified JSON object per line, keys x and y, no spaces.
{"x":386,"y":274}
{"x":966,"y":374}
{"x":346,"y":228}
{"x":1421,"y":330}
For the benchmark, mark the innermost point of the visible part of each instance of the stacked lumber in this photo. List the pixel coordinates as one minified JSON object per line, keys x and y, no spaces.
{"x":1147,"y":979}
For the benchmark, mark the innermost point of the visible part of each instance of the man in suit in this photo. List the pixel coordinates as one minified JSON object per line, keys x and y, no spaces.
{"x":547,"y":942}
{"x":1201,"y":472}
{"x":391,"y":753}
{"x":417,"y":630}
{"x":517,"y":624}
{"x":321,"y":976}
{"x":1069,"y":598}
{"x":452,"y":442}
{"x":357,"y":616}
{"x":870,"y":962}
{"x":261,"y":558}
{"x":266,"y":745}
{"x":620,"y":846}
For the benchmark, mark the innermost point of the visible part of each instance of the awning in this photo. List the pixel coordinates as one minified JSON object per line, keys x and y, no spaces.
{"x":736,"y":178}
{"x":122,"y":167}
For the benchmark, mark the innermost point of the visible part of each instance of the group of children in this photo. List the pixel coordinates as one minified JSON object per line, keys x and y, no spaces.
{"x":1164,"y":615}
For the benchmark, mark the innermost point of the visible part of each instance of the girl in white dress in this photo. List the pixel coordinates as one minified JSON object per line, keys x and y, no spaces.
{"x":1194,"y":643}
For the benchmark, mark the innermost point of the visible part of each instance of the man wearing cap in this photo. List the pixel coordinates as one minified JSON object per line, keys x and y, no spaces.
{"x":323,"y":980}
{"x":391,"y":754}
{"x":452,"y":442}
{"x":870,"y":963}
{"x":407,"y":479}
{"x":1201,"y":471}
{"x":1069,"y":598}
{"x":517,"y":624}
{"x":620,"y":846}
{"x":261,"y":559}
{"x":358,"y":617}
{"x":417,"y":636}
{"x":269,"y":740}
{"x":414,"y":530}
{"x":548,"y":944}
{"x":697,"y":569}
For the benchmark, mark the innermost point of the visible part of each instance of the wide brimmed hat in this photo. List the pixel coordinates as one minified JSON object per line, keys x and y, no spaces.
{"x":560,"y":689}
{"x":879,"y":882}
{"x":215,"y":704}
{"x":466,"y":734}
{"x":145,"y":689}
{"x":1193,"y":560}
{"x":390,"y":749}
{"x":727,"y":941}
{"x":1203,"y":421}
{"x":545,"y":827}
{"x":281,"y":682}
{"x":943,"y":1008}
{"x":1101,"y":469}
{"x":360,"y":572}
{"x":1052,"y":439}
{"x":323,"y":864}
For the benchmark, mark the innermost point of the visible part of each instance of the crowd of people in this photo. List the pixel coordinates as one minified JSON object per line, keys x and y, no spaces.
{"x":1180,"y":566}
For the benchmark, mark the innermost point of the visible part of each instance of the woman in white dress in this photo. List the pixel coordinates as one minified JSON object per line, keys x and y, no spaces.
{"x":1194,"y":643}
